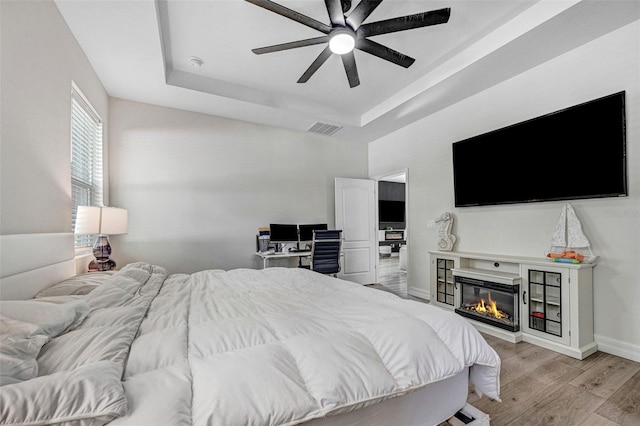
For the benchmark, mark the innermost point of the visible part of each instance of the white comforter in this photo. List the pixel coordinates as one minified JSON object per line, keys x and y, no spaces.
{"x":282,"y":346}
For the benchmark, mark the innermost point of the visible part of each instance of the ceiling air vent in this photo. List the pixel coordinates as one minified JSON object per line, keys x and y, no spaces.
{"x":323,"y":129}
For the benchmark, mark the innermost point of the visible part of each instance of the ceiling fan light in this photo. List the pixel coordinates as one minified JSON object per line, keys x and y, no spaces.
{"x":341,"y":42}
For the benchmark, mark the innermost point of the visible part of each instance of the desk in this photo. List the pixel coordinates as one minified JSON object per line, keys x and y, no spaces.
{"x":266,"y":256}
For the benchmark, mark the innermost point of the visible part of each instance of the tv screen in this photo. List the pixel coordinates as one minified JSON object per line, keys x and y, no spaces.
{"x":306,"y":231}
{"x":575,"y":153}
{"x":391,"y":211}
{"x":283,"y":233}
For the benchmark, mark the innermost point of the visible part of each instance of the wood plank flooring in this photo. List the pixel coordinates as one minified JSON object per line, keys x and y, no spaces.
{"x":540,"y":387}
{"x":391,"y":277}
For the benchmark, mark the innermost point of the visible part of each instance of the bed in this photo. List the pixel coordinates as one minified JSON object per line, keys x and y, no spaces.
{"x":278,"y":346}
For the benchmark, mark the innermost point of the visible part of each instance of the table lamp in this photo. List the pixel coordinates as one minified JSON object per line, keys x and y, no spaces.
{"x":102,"y":221}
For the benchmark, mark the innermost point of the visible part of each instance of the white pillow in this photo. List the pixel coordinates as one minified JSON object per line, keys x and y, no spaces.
{"x":61,"y":299}
{"x":78,"y":285}
{"x":20,"y":344}
{"x":52,"y":318}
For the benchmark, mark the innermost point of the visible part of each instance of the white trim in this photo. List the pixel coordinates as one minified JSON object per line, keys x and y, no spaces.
{"x":579,"y":353}
{"x":88,"y":104}
{"x":419,"y":292}
{"x":618,"y":348}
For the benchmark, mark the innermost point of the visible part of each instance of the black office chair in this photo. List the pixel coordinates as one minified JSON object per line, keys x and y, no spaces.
{"x":325,"y":252}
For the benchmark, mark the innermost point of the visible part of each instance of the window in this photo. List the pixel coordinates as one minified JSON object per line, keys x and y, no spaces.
{"x":86,"y":159}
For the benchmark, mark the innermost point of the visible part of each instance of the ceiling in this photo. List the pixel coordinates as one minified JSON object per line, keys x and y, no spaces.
{"x":140,"y":50}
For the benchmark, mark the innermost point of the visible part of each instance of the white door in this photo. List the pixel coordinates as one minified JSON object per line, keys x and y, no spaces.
{"x":356,"y":216}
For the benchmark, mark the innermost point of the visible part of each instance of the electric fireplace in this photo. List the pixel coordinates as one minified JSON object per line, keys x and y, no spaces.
{"x":489,"y":302}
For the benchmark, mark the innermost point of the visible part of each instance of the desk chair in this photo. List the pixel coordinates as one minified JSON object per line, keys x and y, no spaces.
{"x":325,"y":252}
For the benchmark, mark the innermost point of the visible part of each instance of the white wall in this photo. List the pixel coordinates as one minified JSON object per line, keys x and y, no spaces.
{"x":604,"y":66}
{"x":40,"y":59}
{"x":197,"y":187}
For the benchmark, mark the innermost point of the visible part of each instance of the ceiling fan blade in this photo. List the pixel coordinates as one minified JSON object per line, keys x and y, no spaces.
{"x":292,"y":14}
{"x":290,"y":45}
{"x":402,"y":23}
{"x":349,"y":62}
{"x":321,"y":59}
{"x":362,"y":12}
{"x":384,"y":52}
{"x":334,"y":7}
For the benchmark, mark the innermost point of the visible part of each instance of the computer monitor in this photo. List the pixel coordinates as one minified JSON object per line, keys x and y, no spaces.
{"x":306,"y":231}
{"x":283,"y":233}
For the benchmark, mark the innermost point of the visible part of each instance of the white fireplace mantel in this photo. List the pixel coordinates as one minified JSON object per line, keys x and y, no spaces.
{"x":573,"y":307}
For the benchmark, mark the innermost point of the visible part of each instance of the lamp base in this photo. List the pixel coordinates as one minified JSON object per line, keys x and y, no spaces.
{"x":101,"y":265}
{"x":102,"y":251}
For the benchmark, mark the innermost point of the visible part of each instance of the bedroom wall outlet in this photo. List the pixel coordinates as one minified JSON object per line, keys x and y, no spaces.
{"x":431,"y":224}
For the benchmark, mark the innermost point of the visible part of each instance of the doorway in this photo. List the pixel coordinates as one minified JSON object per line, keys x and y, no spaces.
{"x":393,"y":232}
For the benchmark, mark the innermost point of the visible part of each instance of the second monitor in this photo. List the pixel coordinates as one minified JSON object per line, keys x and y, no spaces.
{"x":283,"y":233}
{"x":306,"y":231}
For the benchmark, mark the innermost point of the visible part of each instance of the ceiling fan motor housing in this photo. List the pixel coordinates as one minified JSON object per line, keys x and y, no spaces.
{"x":348,"y":31}
{"x":342,"y":40}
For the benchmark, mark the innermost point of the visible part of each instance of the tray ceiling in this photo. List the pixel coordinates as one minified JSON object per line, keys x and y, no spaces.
{"x":141,"y":51}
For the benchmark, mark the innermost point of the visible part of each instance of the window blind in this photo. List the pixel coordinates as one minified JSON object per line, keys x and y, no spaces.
{"x":86,"y":159}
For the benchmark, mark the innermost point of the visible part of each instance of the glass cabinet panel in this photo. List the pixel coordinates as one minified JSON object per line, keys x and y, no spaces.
{"x":545,"y":302}
{"x":445,"y":281}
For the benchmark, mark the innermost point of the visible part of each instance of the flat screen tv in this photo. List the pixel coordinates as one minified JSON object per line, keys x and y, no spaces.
{"x":574,"y":153}
{"x":391,"y":211}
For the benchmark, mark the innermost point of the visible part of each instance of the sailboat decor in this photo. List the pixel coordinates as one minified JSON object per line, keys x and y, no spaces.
{"x":568,"y":236}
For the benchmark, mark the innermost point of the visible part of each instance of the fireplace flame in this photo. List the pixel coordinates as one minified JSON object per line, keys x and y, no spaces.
{"x":489,"y":309}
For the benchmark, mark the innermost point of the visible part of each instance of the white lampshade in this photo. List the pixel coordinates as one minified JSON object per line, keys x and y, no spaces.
{"x":87,"y":220}
{"x":101,"y":220}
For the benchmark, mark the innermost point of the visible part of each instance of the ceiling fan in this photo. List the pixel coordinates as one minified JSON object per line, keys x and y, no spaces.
{"x":347,"y":31}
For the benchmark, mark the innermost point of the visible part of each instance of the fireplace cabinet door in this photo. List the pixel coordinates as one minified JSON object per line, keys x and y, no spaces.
{"x":443,"y":291}
{"x":545,"y":303}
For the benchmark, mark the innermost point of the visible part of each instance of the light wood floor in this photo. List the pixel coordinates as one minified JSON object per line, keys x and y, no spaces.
{"x":390,"y":276}
{"x":542,"y":387}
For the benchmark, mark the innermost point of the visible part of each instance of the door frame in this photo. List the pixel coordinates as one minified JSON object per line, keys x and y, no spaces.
{"x":384,"y":177}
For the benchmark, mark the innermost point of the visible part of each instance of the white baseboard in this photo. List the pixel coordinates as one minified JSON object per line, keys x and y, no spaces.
{"x":577,"y":353}
{"x":419,"y":292}
{"x":618,"y":348}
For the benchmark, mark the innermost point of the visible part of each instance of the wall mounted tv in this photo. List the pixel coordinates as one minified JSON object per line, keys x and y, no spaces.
{"x":574,"y":153}
{"x":391,"y":211}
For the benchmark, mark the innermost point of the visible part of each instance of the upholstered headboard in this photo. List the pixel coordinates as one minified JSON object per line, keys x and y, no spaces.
{"x":32,"y":262}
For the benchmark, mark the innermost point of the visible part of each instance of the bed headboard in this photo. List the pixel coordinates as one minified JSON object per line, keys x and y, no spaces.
{"x":32,"y":262}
